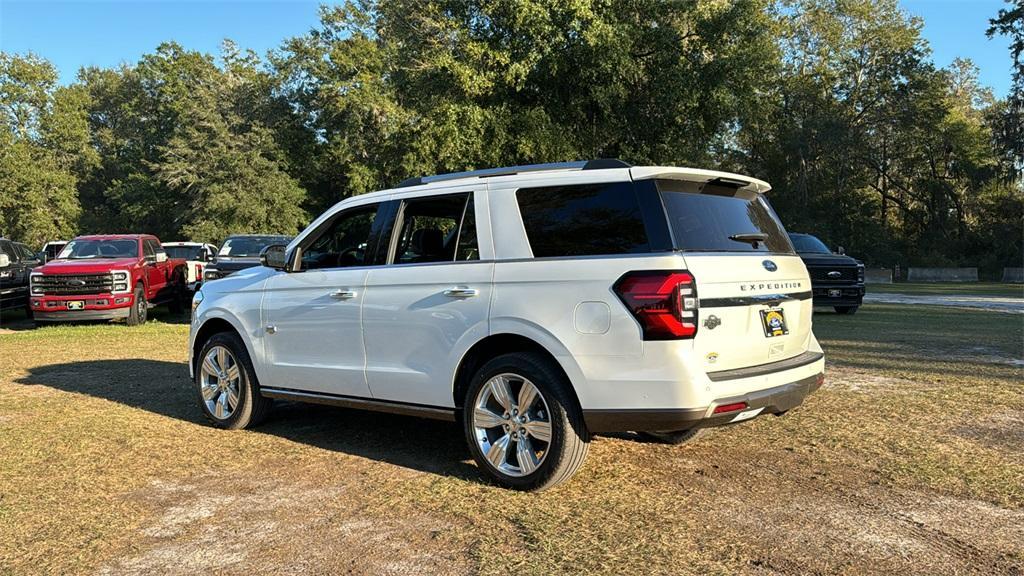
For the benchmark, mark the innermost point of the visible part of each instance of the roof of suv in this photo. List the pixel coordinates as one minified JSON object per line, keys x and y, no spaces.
{"x":113,"y":236}
{"x":635,"y":173}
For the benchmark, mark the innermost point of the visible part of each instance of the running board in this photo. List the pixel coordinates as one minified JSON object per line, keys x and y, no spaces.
{"x":418,"y":410}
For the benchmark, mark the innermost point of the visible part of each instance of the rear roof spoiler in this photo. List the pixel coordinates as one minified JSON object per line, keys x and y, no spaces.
{"x":737,"y":181}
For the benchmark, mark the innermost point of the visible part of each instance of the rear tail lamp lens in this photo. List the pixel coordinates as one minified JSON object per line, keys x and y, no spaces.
{"x":664,"y":302}
{"x":730,"y":407}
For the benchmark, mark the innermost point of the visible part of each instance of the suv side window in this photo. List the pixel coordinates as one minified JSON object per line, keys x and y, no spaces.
{"x":345,"y":242}
{"x":583,"y":220}
{"x":431,"y":229}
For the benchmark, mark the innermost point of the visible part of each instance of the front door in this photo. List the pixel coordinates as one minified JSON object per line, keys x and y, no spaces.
{"x":421,"y":311}
{"x":313,"y":337}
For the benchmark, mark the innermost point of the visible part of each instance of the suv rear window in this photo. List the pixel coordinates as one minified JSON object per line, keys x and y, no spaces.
{"x":704,"y":216}
{"x":583,"y":220}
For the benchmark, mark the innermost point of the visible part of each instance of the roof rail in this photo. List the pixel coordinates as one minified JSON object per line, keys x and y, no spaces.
{"x":598,"y":164}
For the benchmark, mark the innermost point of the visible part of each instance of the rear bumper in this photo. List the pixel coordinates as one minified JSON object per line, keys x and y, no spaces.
{"x":74,"y":315}
{"x":773,"y":400}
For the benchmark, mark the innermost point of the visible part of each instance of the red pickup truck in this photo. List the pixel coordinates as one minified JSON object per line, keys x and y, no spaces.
{"x":106,"y":277}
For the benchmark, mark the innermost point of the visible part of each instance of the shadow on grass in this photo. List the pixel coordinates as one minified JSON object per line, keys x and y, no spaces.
{"x":164,"y":388}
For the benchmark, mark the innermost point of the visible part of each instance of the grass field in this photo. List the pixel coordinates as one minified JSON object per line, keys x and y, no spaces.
{"x":952,"y":288}
{"x":907,"y":461}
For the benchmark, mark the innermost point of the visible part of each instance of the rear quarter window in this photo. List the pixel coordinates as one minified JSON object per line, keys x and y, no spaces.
{"x":583,"y":220}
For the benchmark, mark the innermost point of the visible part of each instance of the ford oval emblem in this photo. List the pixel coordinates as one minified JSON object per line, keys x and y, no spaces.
{"x":835,"y":274}
{"x":76,"y":282}
{"x":769,"y":266}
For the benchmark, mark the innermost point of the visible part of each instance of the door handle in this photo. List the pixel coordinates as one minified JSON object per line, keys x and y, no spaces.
{"x":342,"y":294}
{"x":461,"y":292}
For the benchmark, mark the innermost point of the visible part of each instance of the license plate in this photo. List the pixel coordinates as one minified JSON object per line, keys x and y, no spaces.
{"x":76,"y":304}
{"x":835,"y":293}
{"x":746,"y":415}
{"x":774,"y":322}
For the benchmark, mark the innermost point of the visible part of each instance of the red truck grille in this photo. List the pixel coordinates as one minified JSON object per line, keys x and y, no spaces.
{"x":72,"y":285}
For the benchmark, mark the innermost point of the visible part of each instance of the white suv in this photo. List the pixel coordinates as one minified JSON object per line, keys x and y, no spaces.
{"x":536,"y":304}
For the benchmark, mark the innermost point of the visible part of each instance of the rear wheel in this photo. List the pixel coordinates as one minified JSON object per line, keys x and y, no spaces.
{"x":228,"y":391}
{"x":522,"y":426}
{"x":140,"y":307}
{"x":846,"y":309}
{"x":677,"y":437}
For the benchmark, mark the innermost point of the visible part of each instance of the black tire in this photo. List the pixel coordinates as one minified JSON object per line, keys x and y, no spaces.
{"x":177,"y":304}
{"x":140,"y":307}
{"x":252,"y":407}
{"x":846,"y":309}
{"x":567,"y":449}
{"x":675,"y":438}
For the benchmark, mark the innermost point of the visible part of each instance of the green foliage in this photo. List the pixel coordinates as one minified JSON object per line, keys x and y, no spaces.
{"x":835,"y":102}
{"x":38,"y":198}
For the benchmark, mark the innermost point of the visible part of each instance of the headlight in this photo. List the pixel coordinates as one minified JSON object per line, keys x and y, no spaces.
{"x":197,"y":299}
{"x":210,"y":275}
{"x":32,"y":284}
{"x":120,"y":280}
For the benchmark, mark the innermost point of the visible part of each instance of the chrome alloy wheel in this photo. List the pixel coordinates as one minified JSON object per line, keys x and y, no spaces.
{"x":220,"y":382}
{"x":512,"y":424}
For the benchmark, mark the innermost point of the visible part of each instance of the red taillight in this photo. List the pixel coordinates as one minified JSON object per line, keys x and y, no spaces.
{"x":730,"y":407}
{"x":663,"y":301}
{"x":199,"y":271}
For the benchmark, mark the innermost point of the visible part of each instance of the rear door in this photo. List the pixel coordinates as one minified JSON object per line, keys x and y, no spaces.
{"x":753,"y":291}
{"x":431,"y":300}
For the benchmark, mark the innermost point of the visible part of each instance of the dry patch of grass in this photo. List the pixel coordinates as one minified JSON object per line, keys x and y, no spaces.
{"x":908,"y":461}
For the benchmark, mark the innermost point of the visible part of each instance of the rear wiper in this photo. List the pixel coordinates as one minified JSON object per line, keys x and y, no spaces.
{"x":752,"y":238}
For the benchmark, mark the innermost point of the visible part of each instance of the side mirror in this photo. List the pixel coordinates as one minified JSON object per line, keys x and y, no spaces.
{"x":161,"y":257}
{"x":207,"y":255}
{"x":5,"y":260}
{"x":274,"y":256}
{"x":840,"y":250}
{"x":41,"y":256}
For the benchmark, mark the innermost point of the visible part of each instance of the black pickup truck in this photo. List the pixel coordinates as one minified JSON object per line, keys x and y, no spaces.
{"x":16,"y":264}
{"x":836,"y":279}
{"x":240,"y":252}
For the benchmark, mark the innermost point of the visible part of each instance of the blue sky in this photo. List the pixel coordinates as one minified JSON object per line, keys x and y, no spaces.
{"x":75,"y":34}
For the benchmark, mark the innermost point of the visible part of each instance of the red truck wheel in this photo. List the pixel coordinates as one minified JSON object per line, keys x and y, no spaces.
{"x":140,"y":308}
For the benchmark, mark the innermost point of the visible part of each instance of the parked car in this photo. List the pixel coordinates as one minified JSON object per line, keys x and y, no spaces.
{"x":196,"y":256}
{"x":240,"y":252}
{"x":106,"y":277}
{"x":16,"y":263}
{"x":537,"y":305}
{"x":51,"y":250}
{"x":836,"y":279}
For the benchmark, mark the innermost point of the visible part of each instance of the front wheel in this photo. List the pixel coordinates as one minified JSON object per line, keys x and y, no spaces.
{"x":228,"y":392}
{"x":140,"y":307}
{"x":846,"y":309}
{"x":522,"y":425}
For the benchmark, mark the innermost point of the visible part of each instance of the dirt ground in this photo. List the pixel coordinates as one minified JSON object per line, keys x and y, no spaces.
{"x":909,"y":460}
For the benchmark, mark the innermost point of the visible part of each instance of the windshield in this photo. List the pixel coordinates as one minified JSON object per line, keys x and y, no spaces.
{"x":704,"y":216}
{"x":244,"y":246}
{"x":183,"y":252}
{"x":80,"y":249}
{"x":805,"y":243}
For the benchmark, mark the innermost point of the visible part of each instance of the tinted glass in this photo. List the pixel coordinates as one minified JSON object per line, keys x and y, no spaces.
{"x":345,"y":242}
{"x":147,"y":248}
{"x":81,"y":249}
{"x":583,"y":220}
{"x":52,"y":250}
{"x":249,"y":246}
{"x":703,"y":217}
{"x":430,"y":229}
{"x":26,"y":254}
{"x":808,"y":244}
{"x":468,"y":248}
{"x":184,"y":252}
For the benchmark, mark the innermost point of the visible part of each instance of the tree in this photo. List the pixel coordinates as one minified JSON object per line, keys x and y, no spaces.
{"x":1008,"y":120}
{"x":38,"y":199}
{"x":403,"y":88}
